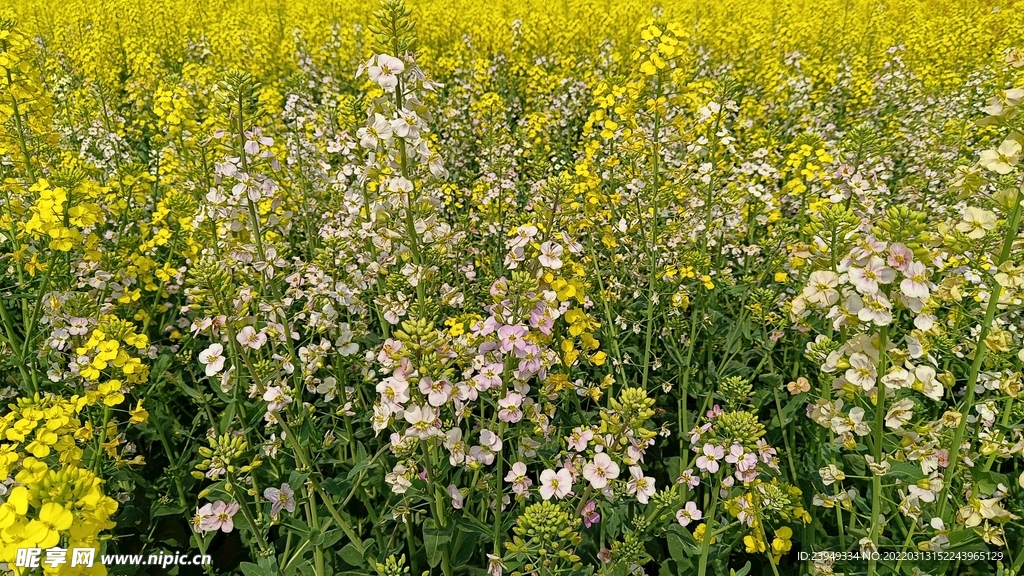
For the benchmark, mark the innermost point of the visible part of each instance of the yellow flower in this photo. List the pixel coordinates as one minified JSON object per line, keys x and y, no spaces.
{"x":15,"y":506}
{"x":138,"y":414}
{"x":753,"y":544}
{"x":45,"y":531}
{"x":32,"y":471}
{"x":782,"y":543}
{"x":699,"y":531}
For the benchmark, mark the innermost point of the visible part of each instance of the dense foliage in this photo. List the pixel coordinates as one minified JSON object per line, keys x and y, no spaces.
{"x":319,"y":287}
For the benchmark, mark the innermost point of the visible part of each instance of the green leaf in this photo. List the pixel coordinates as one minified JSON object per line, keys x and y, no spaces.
{"x":250,"y":569}
{"x":905,"y":471}
{"x":297,"y":479}
{"x":269,"y":565}
{"x":471,"y":525}
{"x":682,"y":546}
{"x":331,"y":538}
{"x":465,"y":550}
{"x":435,"y":540}
{"x":334,"y":487}
{"x":159,"y":367}
{"x":351,"y":556}
{"x":988,"y":482}
{"x":159,"y":509}
{"x":296,"y":525}
{"x":743,"y":571}
{"x":858,"y":465}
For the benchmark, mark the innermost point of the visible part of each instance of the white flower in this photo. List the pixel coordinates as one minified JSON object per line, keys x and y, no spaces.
{"x":407,"y":125}
{"x":688,"y":513}
{"x":276,"y":398}
{"x":384,"y":70}
{"x":600,"y":471}
{"x":550,"y":255}
{"x":248,"y":336}
{"x":976,"y":222}
{"x":1002,"y":103}
{"x":399,"y":184}
{"x":521,"y":236}
{"x":1003,"y":159}
{"x":877,"y":309}
{"x":213,"y":359}
{"x":862,"y":372}
{"x":370,"y":135}
{"x":856,"y":422}
{"x":899,"y":413}
{"x":821,"y":288}
{"x":867,"y":279}
{"x":898,"y":378}
{"x":557,"y":484}
{"x":916,"y":284}
{"x":927,"y":383}
{"x":831,"y":474}
{"x":642,"y":486}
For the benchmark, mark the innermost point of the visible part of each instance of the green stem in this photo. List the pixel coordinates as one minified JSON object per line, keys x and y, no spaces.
{"x":709,"y":525}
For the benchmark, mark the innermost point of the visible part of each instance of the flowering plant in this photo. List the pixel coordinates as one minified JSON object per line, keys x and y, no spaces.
{"x":469,"y":288}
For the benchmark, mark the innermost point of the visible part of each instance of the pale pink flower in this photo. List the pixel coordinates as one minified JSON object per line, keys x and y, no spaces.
{"x":394,"y":391}
{"x":875,"y":272}
{"x":689,"y":513}
{"x":642,"y":486}
{"x":282,"y":498}
{"x":437,"y":393}
{"x":916,"y":284}
{"x":601,"y":470}
{"x":689,"y":478}
{"x":384,"y":70}
{"x":589,"y":514}
{"x":489,"y":376}
{"x":517,"y":476}
{"x":248,"y":336}
{"x":490,"y":440}
{"x":557,"y":484}
{"x":877,"y":310}
{"x":456,"y":495}
{"x":219,"y":517}
{"x":708,"y":460}
{"x":509,"y":410}
{"x":579,"y":439}
{"x":900,"y":256}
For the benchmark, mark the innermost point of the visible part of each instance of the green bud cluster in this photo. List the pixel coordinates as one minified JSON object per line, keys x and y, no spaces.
{"x":629,"y":413}
{"x":394,"y":29}
{"x":735,"y":392}
{"x":547,"y":531}
{"x":392,"y":566}
{"x":220,"y":455}
{"x":739,"y":427}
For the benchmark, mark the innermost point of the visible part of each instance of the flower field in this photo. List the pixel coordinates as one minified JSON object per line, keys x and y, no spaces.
{"x":512,"y":288}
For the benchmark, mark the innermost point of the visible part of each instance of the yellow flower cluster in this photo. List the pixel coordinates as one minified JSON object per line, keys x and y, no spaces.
{"x":54,"y":499}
